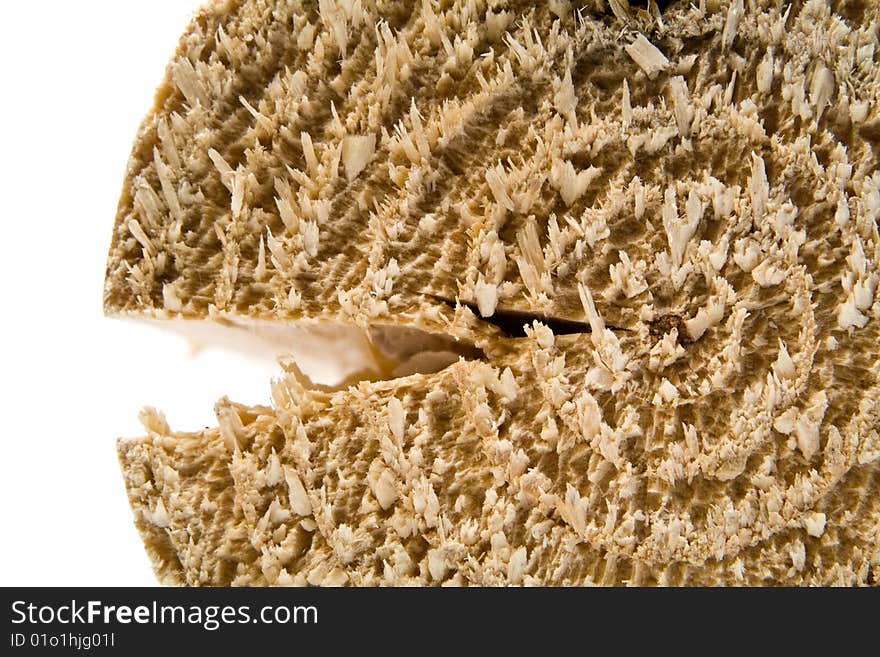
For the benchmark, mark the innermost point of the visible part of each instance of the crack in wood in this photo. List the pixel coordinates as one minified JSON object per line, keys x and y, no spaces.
{"x":513,"y":323}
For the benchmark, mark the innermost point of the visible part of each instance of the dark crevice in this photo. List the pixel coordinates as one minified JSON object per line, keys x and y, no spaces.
{"x":661,"y":4}
{"x":513,"y":323}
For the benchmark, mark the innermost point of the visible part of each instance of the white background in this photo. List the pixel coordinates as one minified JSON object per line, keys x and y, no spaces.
{"x":77,"y":78}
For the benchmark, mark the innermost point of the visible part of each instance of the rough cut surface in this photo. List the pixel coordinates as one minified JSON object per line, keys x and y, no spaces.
{"x":696,"y":189}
